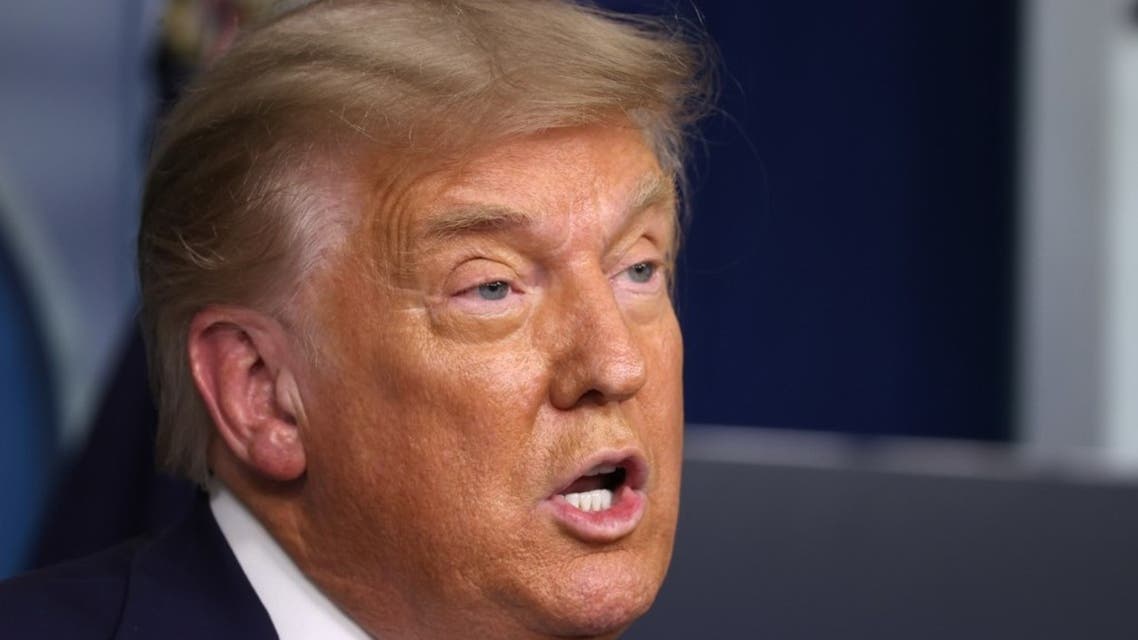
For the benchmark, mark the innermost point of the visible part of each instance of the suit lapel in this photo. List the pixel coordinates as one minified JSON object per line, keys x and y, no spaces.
{"x":187,"y":584}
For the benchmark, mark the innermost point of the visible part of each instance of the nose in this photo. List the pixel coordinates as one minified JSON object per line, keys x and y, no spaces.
{"x":597,"y":358}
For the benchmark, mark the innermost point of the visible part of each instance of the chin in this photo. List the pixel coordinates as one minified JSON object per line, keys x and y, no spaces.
{"x":598,"y":597}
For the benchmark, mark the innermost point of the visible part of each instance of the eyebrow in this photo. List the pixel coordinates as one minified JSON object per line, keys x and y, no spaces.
{"x":476,"y":219}
{"x":652,"y":190}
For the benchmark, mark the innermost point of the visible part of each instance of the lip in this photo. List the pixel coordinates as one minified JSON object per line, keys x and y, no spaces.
{"x":614,"y":523}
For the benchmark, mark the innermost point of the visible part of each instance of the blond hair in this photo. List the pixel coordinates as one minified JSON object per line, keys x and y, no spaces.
{"x":224,"y":216}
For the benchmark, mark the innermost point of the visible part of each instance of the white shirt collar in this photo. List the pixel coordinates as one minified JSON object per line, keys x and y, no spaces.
{"x":298,"y":609}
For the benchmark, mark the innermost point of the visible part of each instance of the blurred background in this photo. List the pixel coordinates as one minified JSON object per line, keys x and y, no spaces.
{"x":909,"y":296}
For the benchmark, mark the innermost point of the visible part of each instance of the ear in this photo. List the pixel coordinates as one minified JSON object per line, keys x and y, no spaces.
{"x":239,"y":359}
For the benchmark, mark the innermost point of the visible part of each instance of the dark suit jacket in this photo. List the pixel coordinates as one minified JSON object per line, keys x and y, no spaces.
{"x":185,"y":583}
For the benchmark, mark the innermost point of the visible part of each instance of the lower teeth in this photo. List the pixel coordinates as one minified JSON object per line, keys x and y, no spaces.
{"x":596,"y":500}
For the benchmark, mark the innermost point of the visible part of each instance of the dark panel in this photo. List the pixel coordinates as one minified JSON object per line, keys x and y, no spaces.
{"x":770,"y":552}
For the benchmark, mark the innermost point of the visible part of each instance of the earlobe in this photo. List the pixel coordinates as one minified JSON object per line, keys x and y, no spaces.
{"x":238,"y":361}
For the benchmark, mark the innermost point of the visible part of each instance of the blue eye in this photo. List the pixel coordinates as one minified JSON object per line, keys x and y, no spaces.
{"x":493,"y":290}
{"x":641,"y":272}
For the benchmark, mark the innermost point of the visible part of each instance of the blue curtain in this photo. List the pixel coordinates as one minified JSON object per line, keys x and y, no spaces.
{"x":850,"y":263}
{"x":27,"y":422}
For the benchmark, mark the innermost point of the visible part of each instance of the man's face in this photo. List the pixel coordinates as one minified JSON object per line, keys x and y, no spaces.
{"x":494,"y":422}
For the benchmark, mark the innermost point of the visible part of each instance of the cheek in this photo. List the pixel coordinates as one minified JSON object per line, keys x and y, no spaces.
{"x":664,"y":356}
{"x":430,"y":444}
{"x":478,"y":407}
{"x":424,"y":414}
{"x":664,"y":415}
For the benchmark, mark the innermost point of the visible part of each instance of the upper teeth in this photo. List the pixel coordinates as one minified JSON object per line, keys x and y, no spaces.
{"x":596,"y":500}
{"x":600,"y":471}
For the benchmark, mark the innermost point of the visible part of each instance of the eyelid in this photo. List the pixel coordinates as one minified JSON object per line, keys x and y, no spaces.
{"x":656,"y":281}
{"x":474,"y":272}
{"x":643,"y":250}
{"x":644,"y":244}
{"x":463,"y":295}
{"x":510,"y":285}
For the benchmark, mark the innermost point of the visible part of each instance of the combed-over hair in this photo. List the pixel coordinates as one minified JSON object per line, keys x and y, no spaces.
{"x":224,"y":217}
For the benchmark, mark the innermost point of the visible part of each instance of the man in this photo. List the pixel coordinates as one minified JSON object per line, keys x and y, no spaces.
{"x":405,"y":270}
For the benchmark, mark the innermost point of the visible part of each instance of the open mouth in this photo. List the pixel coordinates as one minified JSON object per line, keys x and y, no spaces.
{"x":603,"y":484}
{"x":595,"y":490}
{"x":606,"y":501}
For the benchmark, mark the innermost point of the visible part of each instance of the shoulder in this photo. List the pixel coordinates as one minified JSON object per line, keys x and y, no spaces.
{"x":183,"y":584}
{"x":79,"y":599}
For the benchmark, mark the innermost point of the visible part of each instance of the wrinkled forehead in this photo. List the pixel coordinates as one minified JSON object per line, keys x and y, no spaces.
{"x":553,"y":182}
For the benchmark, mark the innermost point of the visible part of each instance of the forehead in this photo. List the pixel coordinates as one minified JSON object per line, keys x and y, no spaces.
{"x":582,"y":161}
{"x":558,"y":180}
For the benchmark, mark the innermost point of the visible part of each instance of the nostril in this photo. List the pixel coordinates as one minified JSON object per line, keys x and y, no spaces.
{"x":592,"y":396}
